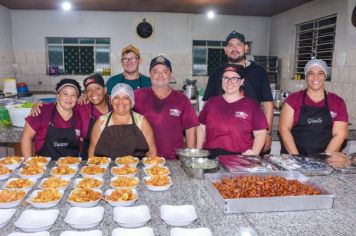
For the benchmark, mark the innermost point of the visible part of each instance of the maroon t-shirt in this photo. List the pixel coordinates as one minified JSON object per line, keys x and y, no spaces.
{"x":336,"y":104}
{"x":40,"y":124}
{"x":168,"y":118}
{"x":85,"y":112}
{"x":230,"y":126}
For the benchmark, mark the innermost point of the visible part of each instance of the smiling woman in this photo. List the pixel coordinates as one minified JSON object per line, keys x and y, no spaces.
{"x":122,"y":132}
{"x":313,"y":120}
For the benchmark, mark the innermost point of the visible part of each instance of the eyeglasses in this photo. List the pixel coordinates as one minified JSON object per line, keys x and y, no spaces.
{"x":230,"y":79}
{"x":126,"y":60}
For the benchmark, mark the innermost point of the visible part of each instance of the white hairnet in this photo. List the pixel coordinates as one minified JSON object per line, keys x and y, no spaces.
{"x":124,"y":89}
{"x":316,"y":62}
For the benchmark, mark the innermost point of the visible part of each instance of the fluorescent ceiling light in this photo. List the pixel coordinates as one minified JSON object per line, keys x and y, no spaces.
{"x":66,"y":6}
{"x":211,"y":14}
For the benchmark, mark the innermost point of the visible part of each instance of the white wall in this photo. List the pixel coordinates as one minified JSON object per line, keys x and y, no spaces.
{"x":6,"y":50}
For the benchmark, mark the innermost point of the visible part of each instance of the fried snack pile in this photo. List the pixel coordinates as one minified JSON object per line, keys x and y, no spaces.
{"x":157,"y":170}
{"x":19,"y":183}
{"x":4,"y":170}
{"x":153,"y":161}
{"x":158,"y":180}
{"x":98,"y":161}
{"x":63,"y":170}
{"x":124,"y":182}
{"x":92,"y":170}
{"x":37,"y":160}
{"x":121,"y":195}
{"x":257,"y":186}
{"x":47,"y":195}
{"x":12,"y":195}
{"x":126,"y":170}
{"x":84,"y":195}
{"x":127,"y":160}
{"x":68,"y":160}
{"x":33,"y":169}
{"x":89,"y":183}
{"x":10,"y":160}
{"x":54,"y":182}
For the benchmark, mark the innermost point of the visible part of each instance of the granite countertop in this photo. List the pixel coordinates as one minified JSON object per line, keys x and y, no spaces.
{"x":337,"y":221}
{"x":13,"y":134}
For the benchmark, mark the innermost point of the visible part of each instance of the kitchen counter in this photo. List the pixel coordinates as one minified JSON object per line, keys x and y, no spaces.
{"x":337,"y":221}
{"x":13,"y":134}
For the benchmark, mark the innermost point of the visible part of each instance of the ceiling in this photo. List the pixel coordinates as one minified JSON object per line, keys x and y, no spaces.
{"x":225,"y":7}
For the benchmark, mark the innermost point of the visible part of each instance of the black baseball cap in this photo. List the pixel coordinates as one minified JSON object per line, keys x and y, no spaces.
{"x":235,"y":35}
{"x":94,"y":79}
{"x":239,"y":69}
{"x":160,"y":60}
{"x":68,"y":82}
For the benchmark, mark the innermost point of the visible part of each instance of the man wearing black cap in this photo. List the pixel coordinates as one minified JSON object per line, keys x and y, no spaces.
{"x":168,"y":111}
{"x":256,"y":85}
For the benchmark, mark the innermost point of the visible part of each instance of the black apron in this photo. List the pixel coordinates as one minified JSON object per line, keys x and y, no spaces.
{"x":60,"y":142}
{"x":313,"y":131}
{"x":86,"y":142}
{"x":121,"y":140}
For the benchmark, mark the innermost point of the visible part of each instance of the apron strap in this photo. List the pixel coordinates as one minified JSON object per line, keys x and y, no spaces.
{"x":107,"y":121}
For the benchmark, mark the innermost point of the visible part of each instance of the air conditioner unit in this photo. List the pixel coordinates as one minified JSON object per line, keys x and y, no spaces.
{"x":144,"y":28}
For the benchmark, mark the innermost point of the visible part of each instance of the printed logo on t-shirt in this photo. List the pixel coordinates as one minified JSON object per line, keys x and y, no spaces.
{"x":333,"y":114}
{"x":174,"y":112}
{"x":77,"y":132}
{"x":241,"y":115}
{"x":312,"y":121}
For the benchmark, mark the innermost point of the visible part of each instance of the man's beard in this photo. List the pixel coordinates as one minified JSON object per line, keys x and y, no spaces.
{"x":237,"y":60}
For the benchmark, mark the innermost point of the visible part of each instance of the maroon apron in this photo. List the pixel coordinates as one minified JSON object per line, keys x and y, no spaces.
{"x":121,"y":140}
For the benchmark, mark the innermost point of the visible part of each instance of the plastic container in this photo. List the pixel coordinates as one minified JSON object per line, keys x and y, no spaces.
{"x":5,"y":120}
{"x":18,"y":115}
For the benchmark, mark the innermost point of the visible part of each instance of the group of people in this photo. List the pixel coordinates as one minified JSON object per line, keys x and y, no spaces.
{"x":143,"y":116}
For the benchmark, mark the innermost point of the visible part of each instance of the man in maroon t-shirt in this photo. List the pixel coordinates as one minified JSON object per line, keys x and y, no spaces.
{"x":168,"y":111}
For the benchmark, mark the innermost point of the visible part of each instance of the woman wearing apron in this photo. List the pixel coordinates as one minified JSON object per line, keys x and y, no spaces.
{"x":312,"y":120}
{"x":122,"y":132}
{"x":57,"y":130}
{"x":231,"y":123}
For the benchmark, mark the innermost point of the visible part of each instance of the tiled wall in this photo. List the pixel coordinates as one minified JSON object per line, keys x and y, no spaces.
{"x":6,"y":65}
{"x":30,"y":67}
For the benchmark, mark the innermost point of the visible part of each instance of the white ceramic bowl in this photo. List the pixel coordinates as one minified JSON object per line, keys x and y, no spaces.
{"x":116,"y":177}
{"x":6,"y":176}
{"x":13,"y":203}
{"x":122,"y":203}
{"x":69,"y":176}
{"x":31,"y":221}
{"x":25,"y":189}
{"x":93,"y":176}
{"x":14,"y":165}
{"x":125,"y":175}
{"x":157,"y":188}
{"x":178,"y":215}
{"x":132,"y":217}
{"x":5,"y":216}
{"x":84,"y":204}
{"x":84,"y":218}
{"x":36,"y":176}
{"x":102,"y":165}
{"x":62,"y":188}
{"x":145,"y":169}
{"x":190,"y":232}
{"x":43,"y":204}
{"x":77,"y":181}
{"x":144,"y":231}
{"x":42,"y":233}
{"x":45,"y":164}
{"x":150,"y":164}
{"x":74,"y":164}
{"x":132,"y":164}
{"x":82,"y":233}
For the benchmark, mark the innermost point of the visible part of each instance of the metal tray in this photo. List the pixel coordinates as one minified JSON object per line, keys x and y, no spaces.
{"x":268,"y":204}
{"x":309,"y":172}
{"x":241,"y":163}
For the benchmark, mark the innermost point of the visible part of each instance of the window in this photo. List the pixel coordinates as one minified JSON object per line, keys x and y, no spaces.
{"x":77,"y":56}
{"x":314,"y":39}
{"x":207,"y":55}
